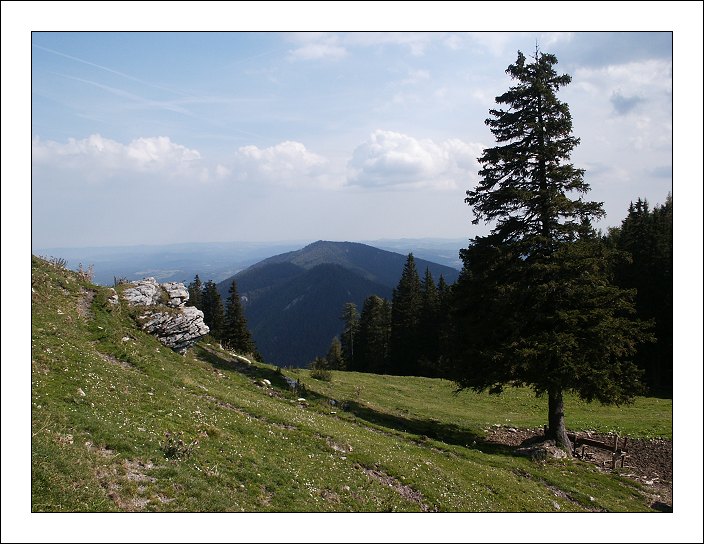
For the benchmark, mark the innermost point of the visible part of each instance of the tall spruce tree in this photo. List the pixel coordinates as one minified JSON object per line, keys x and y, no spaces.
{"x":350,"y":317}
{"x":372,"y":343}
{"x":429,"y":327}
{"x":236,"y":335}
{"x":195,"y":293}
{"x":213,"y":310}
{"x":534,"y":303}
{"x":646,"y":236}
{"x":406,"y":306}
{"x":334,"y":359}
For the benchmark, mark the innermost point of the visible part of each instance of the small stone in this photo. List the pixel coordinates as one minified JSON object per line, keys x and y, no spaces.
{"x":81,"y":392}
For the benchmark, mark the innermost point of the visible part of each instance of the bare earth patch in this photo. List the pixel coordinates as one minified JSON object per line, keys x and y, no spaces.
{"x":407,"y":492}
{"x":83,"y":306}
{"x":648,"y":461}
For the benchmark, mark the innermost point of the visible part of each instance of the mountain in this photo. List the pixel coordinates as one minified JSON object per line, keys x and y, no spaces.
{"x":171,"y":262}
{"x":293,"y":301}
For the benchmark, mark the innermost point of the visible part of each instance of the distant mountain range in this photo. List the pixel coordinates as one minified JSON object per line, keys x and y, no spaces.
{"x":293,"y":301}
{"x":218,"y":261}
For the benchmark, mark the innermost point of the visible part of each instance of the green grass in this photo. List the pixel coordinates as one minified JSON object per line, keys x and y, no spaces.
{"x":105,"y":395}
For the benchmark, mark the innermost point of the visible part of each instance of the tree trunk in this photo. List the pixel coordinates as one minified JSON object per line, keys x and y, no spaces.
{"x":556,"y":420}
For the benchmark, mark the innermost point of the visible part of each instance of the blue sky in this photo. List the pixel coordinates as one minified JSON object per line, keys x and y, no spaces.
{"x":344,"y":136}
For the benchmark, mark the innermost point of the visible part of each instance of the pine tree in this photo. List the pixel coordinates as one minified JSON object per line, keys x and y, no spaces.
{"x":236,"y":335}
{"x":372,"y":344}
{"x":195,"y":293}
{"x":406,"y":307}
{"x":445,"y":325}
{"x":647,"y":238}
{"x":429,"y":327}
{"x":213,"y":310}
{"x":334,"y":358}
{"x":534,"y":303}
{"x":350,"y":317}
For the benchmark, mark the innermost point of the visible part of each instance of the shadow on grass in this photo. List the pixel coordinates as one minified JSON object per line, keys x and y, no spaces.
{"x":424,"y":428}
{"x":278,"y":380}
{"x":428,"y":429}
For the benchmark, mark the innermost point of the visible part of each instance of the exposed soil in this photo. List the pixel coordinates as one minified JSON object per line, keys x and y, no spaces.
{"x":647,"y":461}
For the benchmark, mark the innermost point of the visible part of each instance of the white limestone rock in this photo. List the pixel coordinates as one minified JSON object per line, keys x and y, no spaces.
{"x":177,"y":326}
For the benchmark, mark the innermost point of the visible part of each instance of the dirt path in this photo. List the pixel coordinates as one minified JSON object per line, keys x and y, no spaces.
{"x":649,"y":462}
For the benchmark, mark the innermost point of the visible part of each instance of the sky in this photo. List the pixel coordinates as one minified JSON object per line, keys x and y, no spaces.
{"x":160,"y":137}
{"x":121,"y":139}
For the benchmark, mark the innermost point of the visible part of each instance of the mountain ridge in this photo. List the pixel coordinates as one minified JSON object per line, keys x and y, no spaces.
{"x":293,"y":301}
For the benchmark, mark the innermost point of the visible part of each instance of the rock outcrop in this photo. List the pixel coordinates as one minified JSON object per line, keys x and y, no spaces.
{"x":175,"y":325}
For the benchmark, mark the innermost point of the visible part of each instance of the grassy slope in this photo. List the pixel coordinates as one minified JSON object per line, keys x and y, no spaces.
{"x":104,"y":395}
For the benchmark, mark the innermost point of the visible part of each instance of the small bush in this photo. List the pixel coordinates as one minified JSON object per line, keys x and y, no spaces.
{"x":175,"y":448}
{"x":321,"y":374}
{"x":87,"y":273}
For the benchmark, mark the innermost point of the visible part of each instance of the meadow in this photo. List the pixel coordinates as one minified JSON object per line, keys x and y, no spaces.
{"x":122,"y":423}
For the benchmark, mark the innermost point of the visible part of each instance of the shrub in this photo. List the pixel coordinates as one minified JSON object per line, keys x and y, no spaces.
{"x":321,"y":374}
{"x":175,"y":448}
{"x":85,"y":274}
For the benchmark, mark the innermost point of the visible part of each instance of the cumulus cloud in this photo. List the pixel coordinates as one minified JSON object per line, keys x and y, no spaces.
{"x":288,"y":163}
{"x":389,"y":159}
{"x":100,"y":158}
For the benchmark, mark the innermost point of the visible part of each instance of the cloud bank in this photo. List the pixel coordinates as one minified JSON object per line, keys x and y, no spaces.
{"x":287,"y":163}
{"x":100,"y":158}
{"x":392,"y":159}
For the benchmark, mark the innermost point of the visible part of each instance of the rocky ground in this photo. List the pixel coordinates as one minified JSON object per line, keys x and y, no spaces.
{"x":648,"y":461}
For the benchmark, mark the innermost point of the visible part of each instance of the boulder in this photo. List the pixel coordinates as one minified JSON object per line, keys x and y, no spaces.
{"x":175,"y":325}
{"x":540,"y":451}
{"x":144,"y":292}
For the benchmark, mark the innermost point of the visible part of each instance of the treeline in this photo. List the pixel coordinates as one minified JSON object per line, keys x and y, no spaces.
{"x":414,"y":333}
{"x":645,"y":235}
{"x":404,"y":336}
{"x":226,"y":321}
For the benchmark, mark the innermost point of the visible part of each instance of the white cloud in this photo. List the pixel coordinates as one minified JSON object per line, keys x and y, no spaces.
{"x":316,"y":45}
{"x":631,"y":79}
{"x":390,"y":159}
{"x":325,"y":45}
{"x":99,"y":158}
{"x":288,"y":163}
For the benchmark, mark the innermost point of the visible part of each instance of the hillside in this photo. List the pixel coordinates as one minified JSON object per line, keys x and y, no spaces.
{"x":374,"y":264}
{"x":294,"y":300}
{"x":296,"y":320}
{"x":122,"y":423}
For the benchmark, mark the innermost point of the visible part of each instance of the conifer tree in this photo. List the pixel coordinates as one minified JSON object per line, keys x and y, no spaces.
{"x":236,"y":335}
{"x":445,"y":325}
{"x":213,"y":310}
{"x":429,"y":327}
{"x":646,"y":235}
{"x":195,"y":293}
{"x":372,"y":344}
{"x":534,"y":303}
{"x":406,"y":308}
{"x":334,"y":358}
{"x":350,"y":317}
